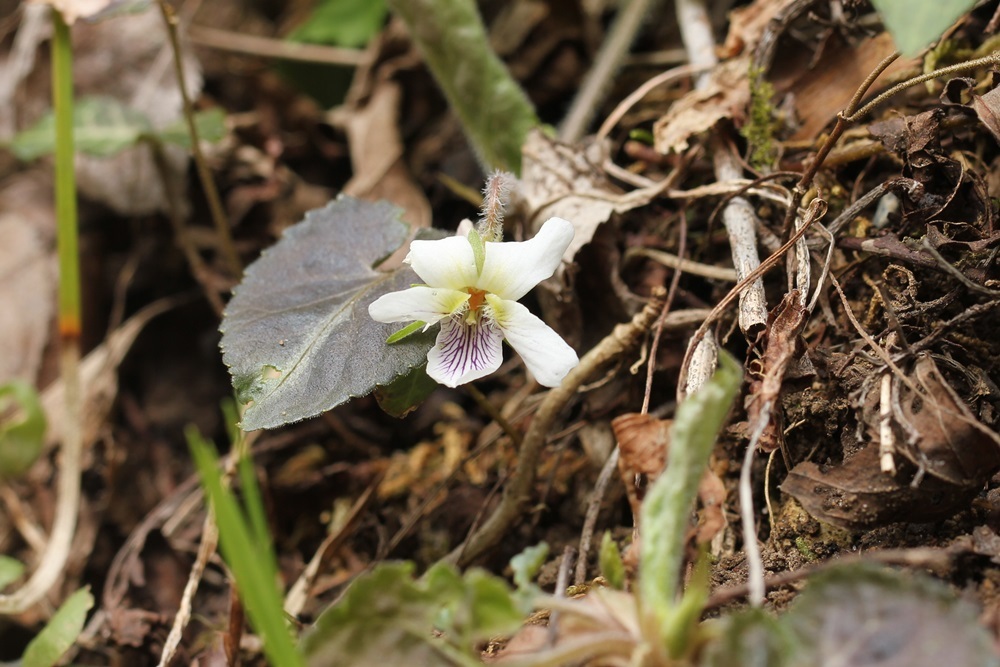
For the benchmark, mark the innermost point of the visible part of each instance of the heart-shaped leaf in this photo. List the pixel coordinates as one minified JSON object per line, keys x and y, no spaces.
{"x":914,"y":24}
{"x":387,"y":617}
{"x":866,"y":616}
{"x":297,"y":337}
{"x":102,"y":126}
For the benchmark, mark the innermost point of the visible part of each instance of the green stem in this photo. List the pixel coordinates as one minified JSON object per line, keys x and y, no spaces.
{"x":66,"y":214}
{"x":68,"y":494}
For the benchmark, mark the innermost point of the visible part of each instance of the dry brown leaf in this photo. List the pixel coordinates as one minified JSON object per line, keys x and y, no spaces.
{"x":726,"y":95}
{"x":377,"y":153}
{"x":643,"y":441}
{"x":747,"y":25}
{"x":98,"y":378}
{"x":950,"y":442}
{"x":711,"y":517}
{"x":986,"y":106}
{"x":603,"y":610}
{"x":27,"y":275}
{"x":419,"y":470}
{"x":782,"y":346}
{"x":820,"y":93}
{"x":568,"y":181}
{"x":643,"y":445}
{"x":129,"y":58}
{"x":858,"y":494}
{"x":988,"y":109}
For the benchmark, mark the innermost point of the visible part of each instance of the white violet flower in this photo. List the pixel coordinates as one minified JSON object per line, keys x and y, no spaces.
{"x":477,"y":306}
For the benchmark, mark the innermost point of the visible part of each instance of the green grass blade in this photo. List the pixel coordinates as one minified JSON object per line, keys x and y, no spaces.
{"x":667,"y":507}
{"x":254,"y":578}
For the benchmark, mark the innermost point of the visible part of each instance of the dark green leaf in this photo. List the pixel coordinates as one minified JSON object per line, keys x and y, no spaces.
{"x":349,"y":23}
{"x":22,"y":427}
{"x":495,"y":112}
{"x":210,"y":123}
{"x":751,"y":638}
{"x":60,"y":633}
{"x":388,"y":618}
{"x":297,"y":336}
{"x":406,"y":392}
{"x":914,"y":24}
{"x":865,"y":616}
{"x":102,"y":126}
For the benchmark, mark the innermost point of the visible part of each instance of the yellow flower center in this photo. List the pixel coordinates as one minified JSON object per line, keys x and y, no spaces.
{"x":477,"y":298}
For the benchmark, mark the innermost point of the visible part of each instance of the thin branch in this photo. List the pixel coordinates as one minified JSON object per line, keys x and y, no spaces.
{"x":593,"y":511}
{"x":633,"y":98}
{"x":658,"y":328}
{"x":816,"y":210}
{"x":608,"y":61}
{"x":492,"y":411}
{"x":852,"y":116}
{"x":755,"y":565}
{"x":671,"y":261}
{"x":267,"y":47}
{"x":206,"y":549}
{"x":181,"y":235}
{"x":204,"y":174}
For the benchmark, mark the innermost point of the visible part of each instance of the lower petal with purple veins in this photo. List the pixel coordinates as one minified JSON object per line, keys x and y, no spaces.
{"x":464,"y":352}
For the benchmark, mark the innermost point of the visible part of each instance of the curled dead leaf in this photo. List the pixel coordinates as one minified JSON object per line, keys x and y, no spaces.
{"x":568,"y":181}
{"x":857,"y":494}
{"x":782,"y":347}
{"x":643,"y":443}
{"x":947,"y":440}
{"x":726,"y":95}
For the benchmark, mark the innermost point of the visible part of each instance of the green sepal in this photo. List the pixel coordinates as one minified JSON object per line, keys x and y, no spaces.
{"x":408,"y":330}
{"x":478,"y":250}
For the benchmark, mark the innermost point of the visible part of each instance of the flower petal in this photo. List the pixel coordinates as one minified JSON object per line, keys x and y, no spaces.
{"x":424,"y":304}
{"x":545,"y":353}
{"x":464,"y":352}
{"x":512,"y":269}
{"x":446,"y":262}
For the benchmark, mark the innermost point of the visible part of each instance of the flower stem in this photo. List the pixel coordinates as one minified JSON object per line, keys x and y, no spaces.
{"x":68,"y":498}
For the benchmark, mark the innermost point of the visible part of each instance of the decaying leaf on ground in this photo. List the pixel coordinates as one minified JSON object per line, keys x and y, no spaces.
{"x":569,"y":182}
{"x":28,"y":270}
{"x":783,"y":348}
{"x":644,"y":444}
{"x":725,"y":96}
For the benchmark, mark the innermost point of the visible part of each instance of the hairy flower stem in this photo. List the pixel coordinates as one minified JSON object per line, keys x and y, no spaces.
{"x":496,"y":196}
